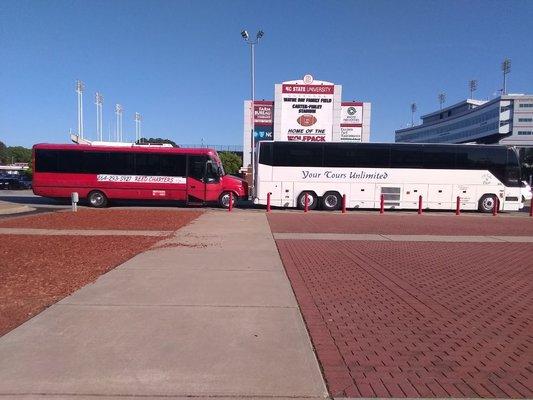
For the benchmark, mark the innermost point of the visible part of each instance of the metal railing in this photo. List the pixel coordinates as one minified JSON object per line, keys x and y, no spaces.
{"x":217,"y":147}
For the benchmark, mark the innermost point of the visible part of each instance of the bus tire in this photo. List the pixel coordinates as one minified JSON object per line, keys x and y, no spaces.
{"x":312,"y":200}
{"x":223,"y":199}
{"x":97,"y":199}
{"x":331,"y":201}
{"x":486,"y":203}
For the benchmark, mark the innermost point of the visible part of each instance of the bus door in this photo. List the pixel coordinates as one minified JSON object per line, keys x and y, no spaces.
{"x":196,"y":187}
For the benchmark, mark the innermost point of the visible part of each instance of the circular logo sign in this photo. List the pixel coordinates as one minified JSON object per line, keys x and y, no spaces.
{"x":351,"y":110}
{"x":308,"y":79}
{"x":306,"y":120}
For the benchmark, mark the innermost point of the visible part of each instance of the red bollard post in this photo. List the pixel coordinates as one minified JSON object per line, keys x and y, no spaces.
{"x":419,"y":205}
{"x":306,"y":205}
{"x":230,"y":206}
{"x":458,"y":206}
{"x":495,"y":206}
{"x":343,"y":203}
{"x":268,"y":201}
{"x":531,"y":208}
{"x":382,"y":204}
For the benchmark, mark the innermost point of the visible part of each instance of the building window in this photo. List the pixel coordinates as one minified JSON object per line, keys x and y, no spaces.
{"x":525,"y":119}
{"x":525,"y":105}
{"x":525,"y":132}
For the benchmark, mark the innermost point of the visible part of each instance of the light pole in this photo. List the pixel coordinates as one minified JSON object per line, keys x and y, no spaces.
{"x":138,"y":119}
{"x":473,"y":87}
{"x":413,"y":111}
{"x":79,"y":90}
{"x":99,"y":100}
{"x":506,"y":68}
{"x":442,"y":99}
{"x":252,"y":43}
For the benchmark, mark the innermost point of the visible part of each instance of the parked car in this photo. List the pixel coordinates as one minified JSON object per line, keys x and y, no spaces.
{"x":9,"y":183}
{"x":12,"y":182}
{"x":25,"y":182}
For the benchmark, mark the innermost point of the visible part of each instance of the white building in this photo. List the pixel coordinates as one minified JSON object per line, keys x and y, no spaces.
{"x":507,"y":119}
{"x":305,"y":110}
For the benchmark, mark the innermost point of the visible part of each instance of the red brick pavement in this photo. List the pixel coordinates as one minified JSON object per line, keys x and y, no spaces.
{"x":408,"y":319}
{"x":405,"y":224}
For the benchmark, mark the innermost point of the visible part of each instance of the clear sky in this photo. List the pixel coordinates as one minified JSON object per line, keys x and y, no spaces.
{"x":184,"y":67}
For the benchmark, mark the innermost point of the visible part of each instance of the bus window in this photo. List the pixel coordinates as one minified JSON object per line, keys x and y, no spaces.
{"x":45,"y":160}
{"x":406,"y":156}
{"x":436,"y":157}
{"x":95,"y":162}
{"x":265,"y":153}
{"x":69,"y":162}
{"x":120,"y":164}
{"x":297,"y":154}
{"x":173,"y":164}
{"x":514,"y":173}
{"x":197,"y":167}
{"x":211,"y":173}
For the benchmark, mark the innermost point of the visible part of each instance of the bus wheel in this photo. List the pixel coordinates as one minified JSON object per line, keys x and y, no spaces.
{"x":331,"y":201}
{"x":97,"y":199}
{"x":486,"y":203}
{"x":312,"y":200}
{"x":223,"y":200}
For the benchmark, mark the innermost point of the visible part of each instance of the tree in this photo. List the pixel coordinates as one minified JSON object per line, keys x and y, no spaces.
{"x":18,"y":154}
{"x":157,"y":141}
{"x":3,"y":153}
{"x":230,"y":161}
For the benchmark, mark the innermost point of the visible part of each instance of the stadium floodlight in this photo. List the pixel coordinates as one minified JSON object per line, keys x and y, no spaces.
{"x":99,"y":100}
{"x":473,"y":87}
{"x":118,"y":113}
{"x":506,"y":68}
{"x":252,"y":44}
{"x":79,"y":90}
{"x":138,"y":119}
{"x":442,"y":99}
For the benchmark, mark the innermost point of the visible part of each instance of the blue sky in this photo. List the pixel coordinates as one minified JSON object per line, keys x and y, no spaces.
{"x":185,"y":68}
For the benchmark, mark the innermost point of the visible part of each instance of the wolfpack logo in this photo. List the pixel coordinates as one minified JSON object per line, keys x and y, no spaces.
{"x":306,"y":120}
{"x":351,"y":111}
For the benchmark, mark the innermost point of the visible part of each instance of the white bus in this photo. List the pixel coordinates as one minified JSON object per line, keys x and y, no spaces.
{"x":400,"y":172}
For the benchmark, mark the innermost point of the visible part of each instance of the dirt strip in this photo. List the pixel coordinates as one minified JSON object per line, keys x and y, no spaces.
{"x":38,"y":271}
{"x":134,"y":219}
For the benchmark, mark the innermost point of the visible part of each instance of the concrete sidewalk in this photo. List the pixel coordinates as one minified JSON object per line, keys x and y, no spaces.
{"x":212,"y":314}
{"x":7,"y":208}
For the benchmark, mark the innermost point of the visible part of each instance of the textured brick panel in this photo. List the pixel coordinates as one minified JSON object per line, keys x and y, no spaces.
{"x":408,"y":319}
{"x":403,"y":224}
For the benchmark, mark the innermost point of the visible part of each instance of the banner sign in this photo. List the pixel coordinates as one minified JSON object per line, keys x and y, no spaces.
{"x":263,"y":113}
{"x":351,"y":113}
{"x":351,"y":133}
{"x":307,"y":110}
{"x":141,"y":179}
{"x":263,"y":133}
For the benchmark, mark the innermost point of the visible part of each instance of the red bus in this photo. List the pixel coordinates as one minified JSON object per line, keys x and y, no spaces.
{"x":103,"y":173}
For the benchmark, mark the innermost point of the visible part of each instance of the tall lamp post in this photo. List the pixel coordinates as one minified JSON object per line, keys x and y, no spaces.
{"x":506,"y":68}
{"x":473,"y":87}
{"x":252,"y":43}
{"x":442,"y":99}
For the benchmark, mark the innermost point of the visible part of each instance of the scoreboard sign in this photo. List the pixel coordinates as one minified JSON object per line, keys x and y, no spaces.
{"x":307,"y":110}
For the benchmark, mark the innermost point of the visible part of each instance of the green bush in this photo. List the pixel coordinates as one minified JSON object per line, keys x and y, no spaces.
{"x":230,"y":161}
